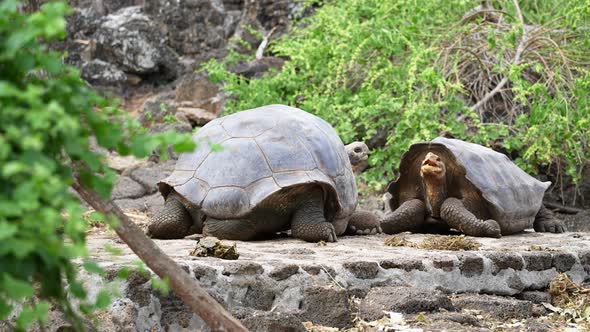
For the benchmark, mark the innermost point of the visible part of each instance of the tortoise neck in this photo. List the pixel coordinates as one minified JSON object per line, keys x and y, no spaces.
{"x":435,"y":193}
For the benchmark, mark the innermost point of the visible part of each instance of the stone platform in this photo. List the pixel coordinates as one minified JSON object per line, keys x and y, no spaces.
{"x":277,"y":284}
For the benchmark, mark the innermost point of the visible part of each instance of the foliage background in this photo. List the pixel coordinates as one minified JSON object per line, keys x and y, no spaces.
{"x":373,"y":69}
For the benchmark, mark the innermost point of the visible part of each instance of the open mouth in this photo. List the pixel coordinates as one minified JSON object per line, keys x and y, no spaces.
{"x":427,"y":168}
{"x":431,"y":165}
{"x":429,"y":162}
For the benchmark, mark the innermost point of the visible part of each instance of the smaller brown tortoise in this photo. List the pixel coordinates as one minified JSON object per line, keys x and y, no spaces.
{"x":277,"y":168}
{"x":449,"y":183}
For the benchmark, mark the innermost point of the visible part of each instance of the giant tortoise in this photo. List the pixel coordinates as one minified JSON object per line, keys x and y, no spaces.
{"x":449,"y":183}
{"x":275,"y":168}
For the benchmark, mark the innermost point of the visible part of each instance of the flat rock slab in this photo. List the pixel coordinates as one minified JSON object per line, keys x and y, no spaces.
{"x":534,"y":258}
{"x":294,"y":278}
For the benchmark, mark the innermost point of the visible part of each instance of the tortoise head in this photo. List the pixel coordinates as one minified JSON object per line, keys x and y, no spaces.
{"x":358,"y":153}
{"x":433,"y":167}
{"x":433,"y":173}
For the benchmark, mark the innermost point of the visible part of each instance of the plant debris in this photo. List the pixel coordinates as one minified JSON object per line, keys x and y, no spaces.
{"x":539,"y":248}
{"x":318,"y":328}
{"x":398,"y":241}
{"x":449,"y":242}
{"x":322,"y":243}
{"x":570,"y":300}
{"x":213,"y":247}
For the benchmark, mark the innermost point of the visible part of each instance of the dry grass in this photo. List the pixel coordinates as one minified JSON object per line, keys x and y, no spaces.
{"x":539,"y":248}
{"x":399,"y":241}
{"x":480,"y":59}
{"x":449,"y":242}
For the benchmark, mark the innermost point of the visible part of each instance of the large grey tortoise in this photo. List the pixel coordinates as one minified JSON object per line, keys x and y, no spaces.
{"x":449,"y":183}
{"x":275,"y":168}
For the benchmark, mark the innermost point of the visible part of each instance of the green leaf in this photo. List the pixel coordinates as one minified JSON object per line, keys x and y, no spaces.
{"x":103,"y":299}
{"x":186,"y":145}
{"x":7,"y":230}
{"x":25,"y":319}
{"x":123,"y":273}
{"x":96,"y":216}
{"x":13,"y":168}
{"x":16,"y":289}
{"x":77,"y":290}
{"x":216,"y":147}
{"x":41,"y":311}
{"x":92,"y":267}
{"x":115,"y":251}
{"x":5,"y":309}
{"x":161,"y":285}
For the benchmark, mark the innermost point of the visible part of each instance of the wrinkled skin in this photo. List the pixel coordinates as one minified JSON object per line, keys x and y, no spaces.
{"x":436,"y":211}
{"x":300,"y":208}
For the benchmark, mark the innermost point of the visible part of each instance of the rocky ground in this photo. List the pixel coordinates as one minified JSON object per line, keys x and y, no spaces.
{"x":356,"y":284}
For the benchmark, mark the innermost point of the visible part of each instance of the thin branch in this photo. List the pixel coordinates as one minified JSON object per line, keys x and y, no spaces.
{"x":561,"y":208}
{"x":515,"y":61}
{"x":262,"y":46}
{"x":185,"y":287}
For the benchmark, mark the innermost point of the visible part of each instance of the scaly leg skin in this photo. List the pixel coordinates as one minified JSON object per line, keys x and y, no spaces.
{"x":363,"y":222}
{"x":308,"y":222}
{"x":172,"y":222}
{"x":408,"y":216}
{"x":545,"y":221}
{"x":457,"y":216}
{"x":230,"y":229}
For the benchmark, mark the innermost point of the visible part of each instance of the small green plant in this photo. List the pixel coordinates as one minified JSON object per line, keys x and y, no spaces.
{"x":169,"y":118}
{"x":50,"y":119}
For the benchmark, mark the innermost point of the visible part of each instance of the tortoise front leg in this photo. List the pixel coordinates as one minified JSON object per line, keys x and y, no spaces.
{"x":308,"y":222}
{"x":457,"y":216}
{"x":174,"y":221}
{"x":408,"y":216}
{"x":363,"y":222}
{"x":545,"y":221}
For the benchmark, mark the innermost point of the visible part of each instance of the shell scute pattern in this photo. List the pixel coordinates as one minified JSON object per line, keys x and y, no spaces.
{"x":195,"y":189}
{"x":263,"y":150}
{"x":211,"y":134}
{"x":248,"y":125}
{"x":512,"y":193}
{"x":285,"y":152}
{"x":246,"y":165}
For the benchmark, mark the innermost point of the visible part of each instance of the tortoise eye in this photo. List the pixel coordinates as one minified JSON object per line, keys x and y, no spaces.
{"x":358,"y":150}
{"x":438,"y":159}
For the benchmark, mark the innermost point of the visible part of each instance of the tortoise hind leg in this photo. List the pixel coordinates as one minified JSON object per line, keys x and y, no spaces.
{"x":172,"y":222}
{"x":457,"y":216}
{"x":408,"y":216}
{"x":545,"y":221}
{"x":308,"y":222}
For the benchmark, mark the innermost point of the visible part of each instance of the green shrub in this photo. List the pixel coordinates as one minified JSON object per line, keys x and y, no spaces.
{"x":49,"y":117}
{"x":370,"y":66}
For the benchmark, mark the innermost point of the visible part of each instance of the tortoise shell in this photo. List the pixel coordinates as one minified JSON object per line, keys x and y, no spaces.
{"x":244,"y":158}
{"x":508,"y":192}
